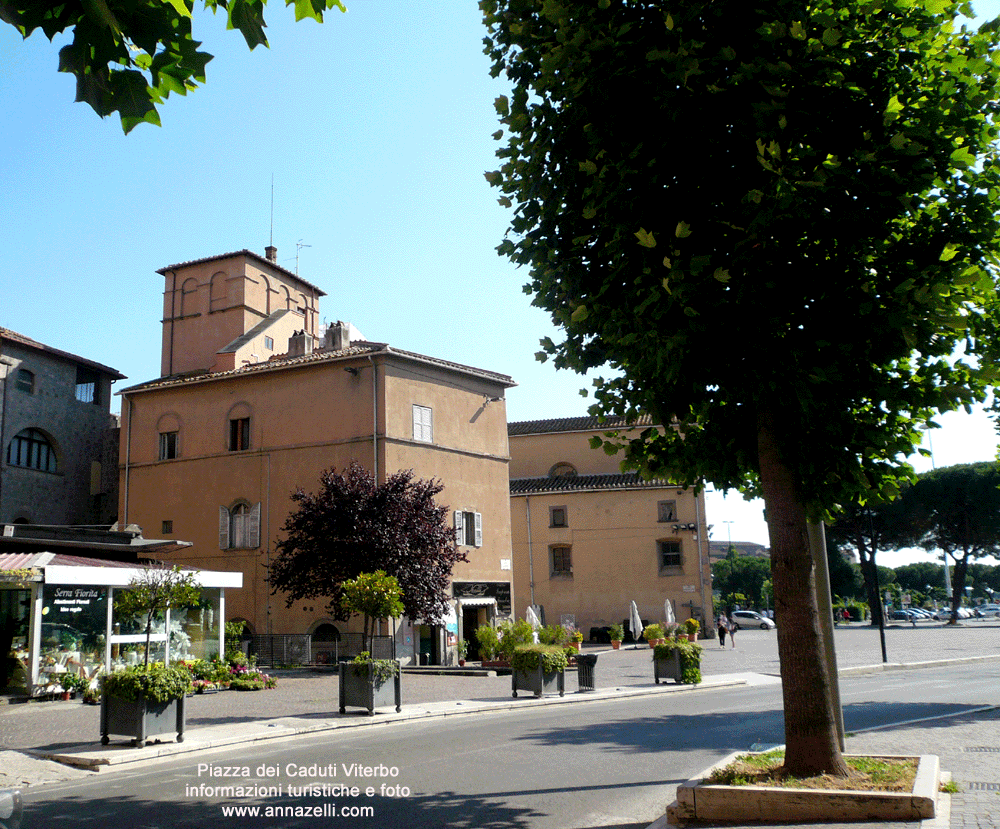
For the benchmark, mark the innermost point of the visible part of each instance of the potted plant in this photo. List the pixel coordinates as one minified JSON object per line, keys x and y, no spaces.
{"x":679,"y":660}
{"x":653,"y":634}
{"x":148,"y":700}
{"x":617,"y":634}
{"x":489,"y":643}
{"x":692,"y":626}
{"x":463,"y":651}
{"x":71,"y":683}
{"x":576,"y":640}
{"x":366,"y":682}
{"x":538,"y":668}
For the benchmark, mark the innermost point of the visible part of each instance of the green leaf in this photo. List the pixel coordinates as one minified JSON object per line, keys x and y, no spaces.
{"x":645,"y":238}
{"x":588,"y":166}
{"x":580,"y":314}
{"x":589,"y":212}
{"x":683,"y":230}
{"x":961,"y":157}
{"x":721,"y":274}
{"x":950,"y":252}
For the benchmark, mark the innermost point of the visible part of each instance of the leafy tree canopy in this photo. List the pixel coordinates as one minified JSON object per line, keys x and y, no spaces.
{"x":742,"y":574}
{"x":155,"y":590}
{"x":776,"y":222}
{"x":354,"y":525}
{"x":129,"y":55}
{"x":957,"y":509}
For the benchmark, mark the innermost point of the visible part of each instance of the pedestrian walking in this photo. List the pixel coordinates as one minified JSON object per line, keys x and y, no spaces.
{"x":723,"y":627}
{"x":733,"y":627}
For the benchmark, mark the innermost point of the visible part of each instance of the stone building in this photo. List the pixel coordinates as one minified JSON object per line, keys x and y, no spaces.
{"x":60,"y":441}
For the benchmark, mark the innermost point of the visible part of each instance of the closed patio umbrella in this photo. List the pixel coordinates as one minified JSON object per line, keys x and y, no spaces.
{"x":636,"y":624}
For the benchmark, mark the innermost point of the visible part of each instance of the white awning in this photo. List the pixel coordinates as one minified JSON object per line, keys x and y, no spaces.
{"x":476,"y":601}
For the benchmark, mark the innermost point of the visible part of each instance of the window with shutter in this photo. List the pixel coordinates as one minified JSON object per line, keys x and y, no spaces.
{"x":469,"y":529}
{"x":423,"y":419}
{"x":223,"y":528}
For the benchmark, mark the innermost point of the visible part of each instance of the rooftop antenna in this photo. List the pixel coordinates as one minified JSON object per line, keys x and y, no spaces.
{"x":271,"y":242}
{"x":298,"y":246}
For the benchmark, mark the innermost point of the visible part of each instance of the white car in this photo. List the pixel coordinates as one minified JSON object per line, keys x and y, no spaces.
{"x":988,"y":610}
{"x":750,"y":619}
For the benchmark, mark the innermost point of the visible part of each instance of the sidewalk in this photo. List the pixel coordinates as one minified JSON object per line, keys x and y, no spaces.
{"x":305,"y":702}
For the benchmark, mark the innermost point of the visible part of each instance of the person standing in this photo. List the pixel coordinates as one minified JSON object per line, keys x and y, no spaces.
{"x":723,"y":627}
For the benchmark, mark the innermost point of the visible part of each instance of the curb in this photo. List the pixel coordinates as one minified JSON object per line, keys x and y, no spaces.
{"x":96,"y":757}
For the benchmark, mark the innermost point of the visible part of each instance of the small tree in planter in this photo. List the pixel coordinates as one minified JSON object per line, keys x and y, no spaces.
{"x":154,"y":591}
{"x":489,"y":642}
{"x":148,"y":700}
{"x":617,"y":634}
{"x":364,"y":682}
{"x":653,"y":633}
{"x":679,"y":660}
{"x":538,"y":668}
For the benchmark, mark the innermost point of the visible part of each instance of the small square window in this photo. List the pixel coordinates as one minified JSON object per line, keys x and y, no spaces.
{"x":557,"y":517}
{"x":87,"y":388}
{"x":168,"y":445}
{"x":269,"y":343}
{"x":666,"y":511}
{"x":167,"y":528}
{"x":669,"y":552}
{"x":239,"y":434}
{"x":25,"y":381}
{"x":562,"y":561}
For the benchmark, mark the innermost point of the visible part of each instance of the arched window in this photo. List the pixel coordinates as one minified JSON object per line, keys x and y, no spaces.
{"x":563,"y":470}
{"x":32,"y":449}
{"x":239,"y":526}
{"x":189,"y":297}
{"x":218,"y":292}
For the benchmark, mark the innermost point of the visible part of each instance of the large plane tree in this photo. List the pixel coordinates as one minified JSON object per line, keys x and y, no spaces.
{"x":775,"y":224}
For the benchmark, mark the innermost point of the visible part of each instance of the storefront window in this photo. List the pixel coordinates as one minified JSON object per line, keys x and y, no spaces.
{"x":194,"y":632}
{"x":74,"y":620}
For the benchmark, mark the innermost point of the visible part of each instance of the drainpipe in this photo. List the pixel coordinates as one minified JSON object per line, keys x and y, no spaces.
{"x":173,"y":316}
{"x":5,"y":367}
{"x":531,"y":558}
{"x":374,"y":418}
{"x":128,"y":458}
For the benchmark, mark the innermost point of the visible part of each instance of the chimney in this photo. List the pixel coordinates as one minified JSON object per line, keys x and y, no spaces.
{"x":271,"y":252}
{"x":300,"y":344}
{"x":338,"y":336}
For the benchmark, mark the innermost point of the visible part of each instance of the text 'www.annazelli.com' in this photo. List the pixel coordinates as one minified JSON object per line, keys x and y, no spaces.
{"x":318,"y":810}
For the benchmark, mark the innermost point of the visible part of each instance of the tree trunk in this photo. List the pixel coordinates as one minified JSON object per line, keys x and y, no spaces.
{"x":811,"y":745}
{"x":870,"y":572}
{"x":958,"y":585}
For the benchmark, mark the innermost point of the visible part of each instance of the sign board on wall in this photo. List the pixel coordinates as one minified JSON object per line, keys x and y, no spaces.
{"x":499,"y":590}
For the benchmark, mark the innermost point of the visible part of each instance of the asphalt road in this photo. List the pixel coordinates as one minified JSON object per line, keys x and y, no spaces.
{"x":612,"y":764}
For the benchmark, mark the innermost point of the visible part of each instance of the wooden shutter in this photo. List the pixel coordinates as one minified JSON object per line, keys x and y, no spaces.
{"x":223,"y":528}
{"x":459,"y":527}
{"x":253,"y":533}
{"x":479,"y":529}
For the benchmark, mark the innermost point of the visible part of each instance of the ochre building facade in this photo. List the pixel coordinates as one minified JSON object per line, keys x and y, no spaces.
{"x":256,"y":401}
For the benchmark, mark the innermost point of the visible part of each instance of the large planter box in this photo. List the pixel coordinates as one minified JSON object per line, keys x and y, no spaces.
{"x":669,"y":668}
{"x":141,"y":719}
{"x":538,"y":682}
{"x":698,"y":801}
{"x":362,"y":691}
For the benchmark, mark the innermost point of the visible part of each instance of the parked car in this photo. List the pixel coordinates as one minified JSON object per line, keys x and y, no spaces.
{"x":750,"y":619}
{"x":903,"y":615}
{"x":985,"y":610}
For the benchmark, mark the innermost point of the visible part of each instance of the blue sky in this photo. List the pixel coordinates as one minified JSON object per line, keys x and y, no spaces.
{"x":376,"y":127}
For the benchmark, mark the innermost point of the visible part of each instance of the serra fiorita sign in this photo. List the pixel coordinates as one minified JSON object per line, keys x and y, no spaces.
{"x":499,"y":590}
{"x":75,"y":599}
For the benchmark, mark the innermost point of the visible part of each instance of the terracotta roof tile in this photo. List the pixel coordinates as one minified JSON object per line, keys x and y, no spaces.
{"x":575,"y":424}
{"x":580,"y":483}
{"x":255,"y":256}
